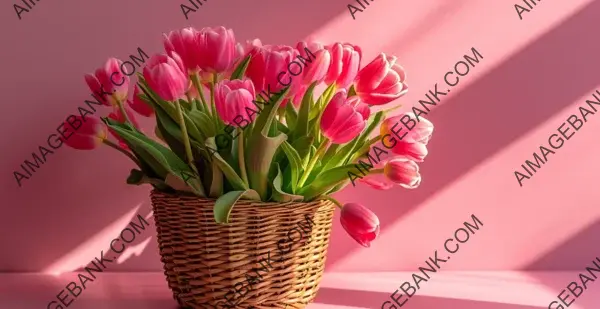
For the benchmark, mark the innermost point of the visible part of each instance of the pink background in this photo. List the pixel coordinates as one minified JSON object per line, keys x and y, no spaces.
{"x":534,"y":73}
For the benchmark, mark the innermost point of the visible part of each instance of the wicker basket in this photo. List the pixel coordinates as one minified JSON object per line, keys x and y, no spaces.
{"x":269,"y":255}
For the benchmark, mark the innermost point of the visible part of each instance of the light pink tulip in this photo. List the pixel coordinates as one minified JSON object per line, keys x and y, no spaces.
{"x":360,"y":223}
{"x":345,"y":62}
{"x":184,"y":43}
{"x":110,"y":79}
{"x":342,"y":120}
{"x":403,"y":172}
{"x":165,"y":75}
{"x":216,"y":49}
{"x":381,"y":81}
{"x":415,"y":132}
{"x":320,"y":61}
{"x":269,"y":65}
{"x":232,"y":97}
{"x":89,"y":136}
{"x":139,"y":105}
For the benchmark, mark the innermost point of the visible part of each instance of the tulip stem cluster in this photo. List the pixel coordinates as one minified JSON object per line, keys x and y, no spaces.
{"x":293,"y":144}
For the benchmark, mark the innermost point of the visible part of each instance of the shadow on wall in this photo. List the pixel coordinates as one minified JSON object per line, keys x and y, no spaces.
{"x":473,"y":125}
{"x":76,"y":194}
{"x":582,"y":249}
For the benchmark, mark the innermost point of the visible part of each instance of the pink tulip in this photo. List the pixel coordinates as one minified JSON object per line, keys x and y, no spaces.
{"x":118,"y":116}
{"x":216,"y":49}
{"x":165,"y":75}
{"x":345,"y":61}
{"x":89,"y":136}
{"x":414,"y":151}
{"x":316,"y":70}
{"x":184,"y":43}
{"x":139,"y":105}
{"x":403,"y":172}
{"x":295,"y":96}
{"x":232,"y":97}
{"x":381,"y":81}
{"x":419,"y":132}
{"x":341,"y":120}
{"x":242,"y":50}
{"x":110,"y":79}
{"x":360,"y":223}
{"x":268,"y":67}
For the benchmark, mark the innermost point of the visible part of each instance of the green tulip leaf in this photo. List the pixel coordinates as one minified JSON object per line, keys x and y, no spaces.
{"x":162,"y":160}
{"x":137,"y":177}
{"x":239,"y":71}
{"x":216,"y":185}
{"x":278,"y":195}
{"x":225,"y":203}
{"x":258,"y":161}
{"x":326,"y":181}
{"x":204,"y":123}
{"x":302,"y":145}
{"x":230,"y":173}
{"x":291,"y":116}
{"x":301,"y":128}
{"x":295,"y":163}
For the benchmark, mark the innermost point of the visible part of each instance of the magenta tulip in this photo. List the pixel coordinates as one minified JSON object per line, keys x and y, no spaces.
{"x":110,"y":79}
{"x":165,"y":75}
{"x":216,"y":49}
{"x":139,"y":105}
{"x":360,"y":223}
{"x":89,"y":136}
{"x":345,"y":62}
{"x":184,"y":44}
{"x":403,"y":172}
{"x":381,"y":81}
{"x":233,"y":99}
{"x":268,"y":67}
{"x":342,"y":120}
{"x":320,"y":61}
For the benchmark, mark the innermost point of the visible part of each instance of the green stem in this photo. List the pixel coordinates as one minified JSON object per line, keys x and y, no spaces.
{"x":189,"y":98}
{"x":241,"y":158}
{"x":125,"y":152}
{"x":196,"y":82}
{"x":331,"y":199}
{"x":213,"y":108}
{"x":122,"y":109}
{"x":376,"y":171}
{"x":313,"y":161}
{"x":186,"y":139}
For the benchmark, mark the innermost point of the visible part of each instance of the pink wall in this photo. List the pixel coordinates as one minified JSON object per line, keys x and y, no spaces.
{"x":534,"y":74}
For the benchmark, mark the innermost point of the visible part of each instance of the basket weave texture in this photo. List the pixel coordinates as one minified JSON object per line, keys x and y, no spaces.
{"x":270,"y":255}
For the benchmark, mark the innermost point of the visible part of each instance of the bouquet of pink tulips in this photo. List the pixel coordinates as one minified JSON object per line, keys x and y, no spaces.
{"x":261,"y":122}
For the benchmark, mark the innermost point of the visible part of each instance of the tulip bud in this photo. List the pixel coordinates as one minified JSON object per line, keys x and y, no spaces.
{"x":165,"y":75}
{"x":109,"y":81}
{"x":403,"y":172}
{"x":345,"y":61}
{"x":89,"y":136}
{"x":216,"y":49}
{"x":420,"y":132}
{"x":381,"y":81}
{"x":233,"y":101}
{"x":360,"y":223}
{"x":184,"y":44}
{"x":342,"y":120}
{"x":138,"y":105}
